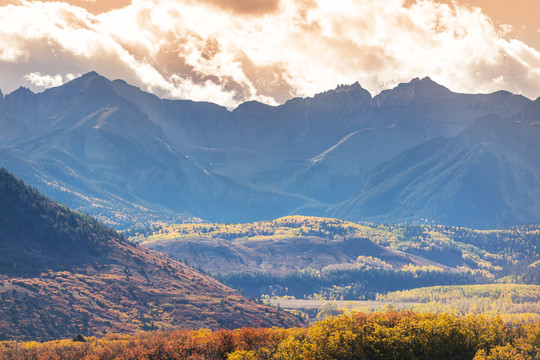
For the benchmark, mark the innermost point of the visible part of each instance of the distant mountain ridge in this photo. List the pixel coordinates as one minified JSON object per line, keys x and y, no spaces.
{"x":111,"y":150}
{"x":63,"y":273}
{"x":486,"y":176}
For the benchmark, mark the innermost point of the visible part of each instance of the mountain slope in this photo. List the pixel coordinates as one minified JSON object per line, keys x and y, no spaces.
{"x":488,"y":176}
{"x":93,"y":141}
{"x":128,"y":157}
{"x":63,"y":273}
{"x":324,"y":147}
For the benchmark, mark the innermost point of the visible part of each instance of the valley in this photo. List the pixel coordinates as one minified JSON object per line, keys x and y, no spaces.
{"x":511,"y":302}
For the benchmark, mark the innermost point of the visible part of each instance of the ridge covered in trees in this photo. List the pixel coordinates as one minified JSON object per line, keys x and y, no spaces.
{"x":303,"y":256}
{"x":63,"y":273}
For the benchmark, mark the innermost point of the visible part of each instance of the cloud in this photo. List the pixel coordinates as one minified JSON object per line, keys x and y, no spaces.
{"x":228,"y":52}
{"x":37,"y":80}
{"x":93,"y":6}
{"x":245,"y":7}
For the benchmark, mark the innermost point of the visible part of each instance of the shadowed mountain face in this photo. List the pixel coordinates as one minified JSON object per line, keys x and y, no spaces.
{"x":97,"y":149}
{"x":63,"y":273}
{"x":487,"y":176}
{"x":111,"y":150}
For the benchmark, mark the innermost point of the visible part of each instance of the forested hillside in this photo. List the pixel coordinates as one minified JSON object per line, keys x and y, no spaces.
{"x":304,"y":256}
{"x":63,"y":273}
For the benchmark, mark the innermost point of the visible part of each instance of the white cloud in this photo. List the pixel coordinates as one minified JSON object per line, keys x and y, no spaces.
{"x":506,"y":29}
{"x":228,"y":52}
{"x":43,"y":81}
{"x":39,"y":81}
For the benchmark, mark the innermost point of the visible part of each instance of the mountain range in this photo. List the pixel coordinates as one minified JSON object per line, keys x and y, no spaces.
{"x":415,"y":153}
{"x":63,"y":273}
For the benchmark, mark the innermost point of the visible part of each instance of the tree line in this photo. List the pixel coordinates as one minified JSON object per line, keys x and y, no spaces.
{"x":379,"y":336}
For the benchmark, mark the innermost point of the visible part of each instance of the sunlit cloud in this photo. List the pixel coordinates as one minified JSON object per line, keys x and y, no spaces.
{"x":39,"y":81}
{"x":244,"y":7}
{"x":229,"y":52}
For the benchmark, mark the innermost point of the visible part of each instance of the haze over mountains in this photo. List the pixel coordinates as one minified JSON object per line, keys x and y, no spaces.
{"x":412,"y":153}
{"x":488,"y":175}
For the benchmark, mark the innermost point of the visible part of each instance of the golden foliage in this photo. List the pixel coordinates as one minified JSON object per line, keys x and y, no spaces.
{"x":386,"y":335}
{"x":484,"y":252}
{"x":513,"y":302}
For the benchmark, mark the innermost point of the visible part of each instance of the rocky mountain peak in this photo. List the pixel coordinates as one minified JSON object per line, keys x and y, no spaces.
{"x":19,"y":98}
{"x":92,"y":75}
{"x":21,"y":91}
{"x":91,"y":86}
{"x":352,"y":87}
{"x":414,"y":90}
{"x":89,"y":81}
{"x":348,"y":92}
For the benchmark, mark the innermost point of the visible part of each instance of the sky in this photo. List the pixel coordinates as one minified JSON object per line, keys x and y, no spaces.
{"x":232,"y":51}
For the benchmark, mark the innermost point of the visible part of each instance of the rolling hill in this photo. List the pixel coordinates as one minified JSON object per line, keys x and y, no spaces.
{"x":307,"y":256}
{"x":63,"y":273}
{"x":280,"y":247}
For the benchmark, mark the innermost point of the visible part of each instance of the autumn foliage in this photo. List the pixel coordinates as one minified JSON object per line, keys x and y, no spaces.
{"x":63,"y":273}
{"x":388,"y":335}
{"x":343,"y":260}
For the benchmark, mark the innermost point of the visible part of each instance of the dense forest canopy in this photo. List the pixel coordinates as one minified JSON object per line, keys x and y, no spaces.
{"x":379,"y":336}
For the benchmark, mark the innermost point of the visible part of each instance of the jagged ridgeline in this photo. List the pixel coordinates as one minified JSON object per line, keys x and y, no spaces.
{"x":413,"y":153}
{"x":63,"y":273}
